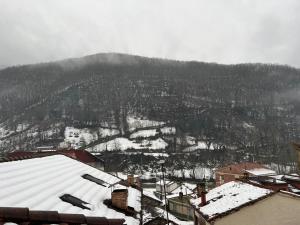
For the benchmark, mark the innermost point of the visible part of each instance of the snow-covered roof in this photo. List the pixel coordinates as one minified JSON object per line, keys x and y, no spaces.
{"x":261,"y":171}
{"x":40,"y":182}
{"x":149,"y":192}
{"x":185,"y":188}
{"x":228,"y":197}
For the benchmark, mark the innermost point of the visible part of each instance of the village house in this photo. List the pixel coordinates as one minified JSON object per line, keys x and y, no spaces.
{"x":60,"y":183}
{"x":236,"y":203}
{"x":170,"y":186}
{"x":179,"y":201}
{"x":237,"y":171}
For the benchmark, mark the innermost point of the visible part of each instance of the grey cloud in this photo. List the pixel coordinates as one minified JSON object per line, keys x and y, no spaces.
{"x":231,"y":31}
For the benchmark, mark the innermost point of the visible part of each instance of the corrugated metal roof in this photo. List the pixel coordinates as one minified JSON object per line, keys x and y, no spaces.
{"x":40,"y":182}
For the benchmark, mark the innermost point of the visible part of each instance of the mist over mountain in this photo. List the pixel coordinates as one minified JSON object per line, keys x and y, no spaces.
{"x":245,"y":109}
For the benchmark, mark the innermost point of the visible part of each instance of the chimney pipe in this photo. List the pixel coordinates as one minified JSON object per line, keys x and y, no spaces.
{"x":130,"y":179}
{"x":180,"y":195}
{"x":201,"y":193}
{"x":203,"y":198}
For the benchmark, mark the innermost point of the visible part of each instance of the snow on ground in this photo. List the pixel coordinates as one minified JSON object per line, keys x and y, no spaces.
{"x":144,"y":133}
{"x":22,"y":126}
{"x":5,"y":132}
{"x":154,"y":144}
{"x":168,"y":130}
{"x":190,"y":140}
{"x":79,"y":137}
{"x":156,"y":154}
{"x":200,"y":145}
{"x":229,"y":196}
{"x":106,"y":132}
{"x":247,"y":125}
{"x":136,"y":122}
{"x":123,"y":144}
{"x":200,"y":173}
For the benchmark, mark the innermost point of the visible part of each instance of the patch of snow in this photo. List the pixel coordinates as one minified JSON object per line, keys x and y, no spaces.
{"x":156,"y":154}
{"x":22,"y":126}
{"x":136,"y":122}
{"x":123,"y":144}
{"x":201,"y":145}
{"x":168,"y":130}
{"x":77,"y":138}
{"x":106,"y":132}
{"x":144,"y":133}
{"x":200,"y":173}
{"x":247,"y":125}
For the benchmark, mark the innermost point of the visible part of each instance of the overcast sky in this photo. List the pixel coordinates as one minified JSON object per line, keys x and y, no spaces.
{"x":223,"y":31}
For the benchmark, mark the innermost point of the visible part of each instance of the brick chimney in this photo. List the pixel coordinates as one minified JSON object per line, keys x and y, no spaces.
{"x":130,"y":179}
{"x":201,"y":193}
{"x":119,"y":198}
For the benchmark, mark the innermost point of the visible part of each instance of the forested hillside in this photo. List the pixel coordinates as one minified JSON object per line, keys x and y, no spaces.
{"x":246,"y":109}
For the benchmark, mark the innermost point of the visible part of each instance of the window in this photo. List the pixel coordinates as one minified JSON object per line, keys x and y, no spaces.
{"x":95,"y":180}
{"x":74,"y":201}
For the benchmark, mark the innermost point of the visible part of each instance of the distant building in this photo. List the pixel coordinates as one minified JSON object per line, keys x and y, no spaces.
{"x":170,"y":186}
{"x":180,"y":207}
{"x":236,"y":203}
{"x":238,"y":171}
{"x":60,"y":183}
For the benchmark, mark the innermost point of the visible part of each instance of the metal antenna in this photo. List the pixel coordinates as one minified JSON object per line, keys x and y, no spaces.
{"x":161,"y":162}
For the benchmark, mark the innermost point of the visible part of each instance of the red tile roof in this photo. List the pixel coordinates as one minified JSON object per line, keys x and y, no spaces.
{"x":80,"y":155}
{"x":24,"y":215}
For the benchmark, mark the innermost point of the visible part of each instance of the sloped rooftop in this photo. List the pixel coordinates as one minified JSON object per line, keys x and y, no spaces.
{"x":229,"y":196}
{"x":39,"y":183}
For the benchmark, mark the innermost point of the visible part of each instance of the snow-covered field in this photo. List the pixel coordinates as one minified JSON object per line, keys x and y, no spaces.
{"x":106,"y":132}
{"x":5,"y":132}
{"x":200,"y":145}
{"x":168,"y":130}
{"x":76,"y":138}
{"x":199,"y":173}
{"x":144,"y":133}
{"x":136,"y":122}
{"x":123,"y":144}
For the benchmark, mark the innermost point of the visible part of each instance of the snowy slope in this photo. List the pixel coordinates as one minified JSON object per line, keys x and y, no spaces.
{"x":136,"y":122}
{"x":125,"y":144}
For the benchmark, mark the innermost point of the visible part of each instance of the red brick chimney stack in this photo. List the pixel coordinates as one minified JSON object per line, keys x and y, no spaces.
{"x":130,"y":179}
{"x":201,"y":193}
{"x":119,"y":198}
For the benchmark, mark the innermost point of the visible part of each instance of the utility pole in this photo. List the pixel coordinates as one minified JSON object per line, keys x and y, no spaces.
{"x":163,"y":175}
